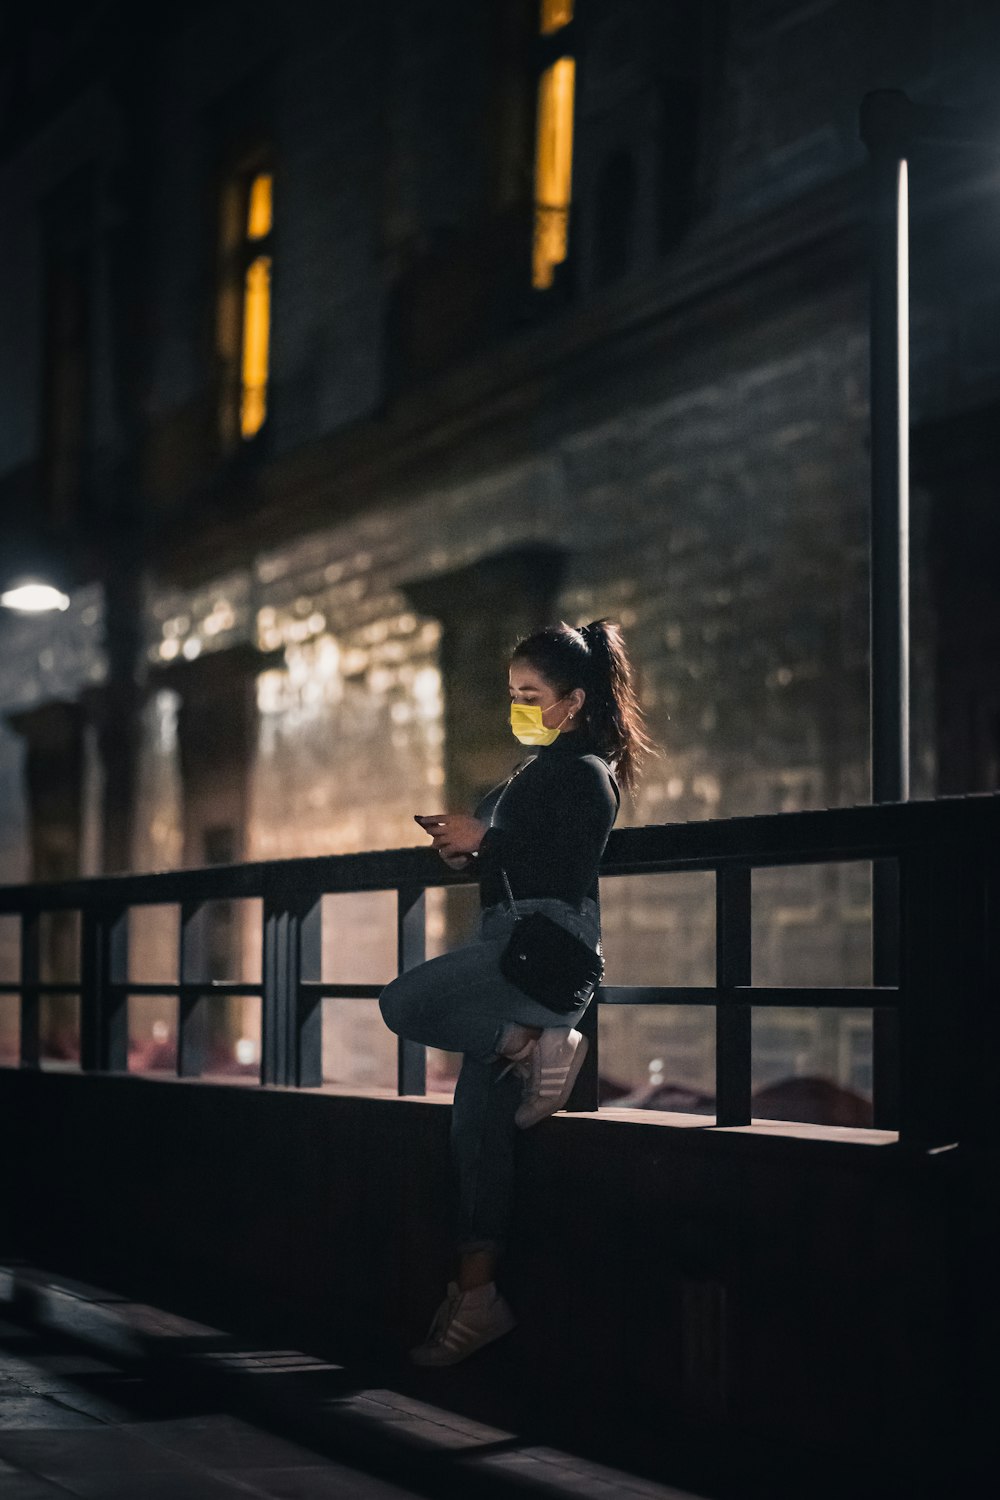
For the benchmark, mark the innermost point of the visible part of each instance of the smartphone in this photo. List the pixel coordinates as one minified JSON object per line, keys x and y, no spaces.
{"x":425,"y":821}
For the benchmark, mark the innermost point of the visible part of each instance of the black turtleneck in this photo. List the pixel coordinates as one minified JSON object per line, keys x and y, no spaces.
{"x":550,"y":824}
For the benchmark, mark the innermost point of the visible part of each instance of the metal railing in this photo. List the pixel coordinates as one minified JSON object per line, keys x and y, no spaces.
{"x":933,"y":1087}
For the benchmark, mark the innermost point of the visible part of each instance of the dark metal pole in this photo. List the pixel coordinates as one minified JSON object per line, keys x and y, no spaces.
{"x":885,"y":124}
{"x":733,"y":1036}
{"x":891,"y":125}
{"x":411,"y":949}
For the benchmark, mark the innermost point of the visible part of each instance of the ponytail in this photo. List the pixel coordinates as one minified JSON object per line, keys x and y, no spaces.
{"x":595,"y":659}
{"x":611,"y":711}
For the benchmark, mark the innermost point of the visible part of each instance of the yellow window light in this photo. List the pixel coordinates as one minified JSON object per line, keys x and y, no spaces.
{"x":256,"y":342}
{"x":553,"y":169}
{"x":259,"y":208}
{"x":555,"y":15}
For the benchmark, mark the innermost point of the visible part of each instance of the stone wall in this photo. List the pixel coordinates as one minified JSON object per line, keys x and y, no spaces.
{"x":706,"y":477}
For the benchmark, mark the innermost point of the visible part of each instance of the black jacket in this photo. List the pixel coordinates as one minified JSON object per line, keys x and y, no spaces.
{"x":550,"y":825}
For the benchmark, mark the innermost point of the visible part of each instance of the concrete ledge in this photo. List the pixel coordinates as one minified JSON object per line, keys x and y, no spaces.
{"x":724,"y":1292}
{"x":98,"y":1317}
{"x":759,"y":1129}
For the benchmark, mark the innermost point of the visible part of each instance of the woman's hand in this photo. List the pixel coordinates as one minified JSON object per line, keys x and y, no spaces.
{"x":458,"y":861}
{"x":455,"y":836}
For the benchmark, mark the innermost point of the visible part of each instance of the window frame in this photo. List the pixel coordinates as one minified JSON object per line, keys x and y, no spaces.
{"x":236,"y":253}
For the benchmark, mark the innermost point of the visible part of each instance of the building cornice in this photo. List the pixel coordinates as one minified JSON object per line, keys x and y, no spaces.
{"x":495,"y":401}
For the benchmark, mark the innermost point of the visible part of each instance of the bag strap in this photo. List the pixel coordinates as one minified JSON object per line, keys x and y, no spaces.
{"x":503,"y":872}
{"x":510,"y":894}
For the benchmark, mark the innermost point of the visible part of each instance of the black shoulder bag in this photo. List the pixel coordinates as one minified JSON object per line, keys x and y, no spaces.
{"x":545,"y":960}
{"x":548,"y":962}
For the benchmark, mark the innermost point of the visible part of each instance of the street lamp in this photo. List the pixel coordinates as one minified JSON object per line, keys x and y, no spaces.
{"x":892,"y":126}
{"x":33,"y":596}
{"x":34,"y":570}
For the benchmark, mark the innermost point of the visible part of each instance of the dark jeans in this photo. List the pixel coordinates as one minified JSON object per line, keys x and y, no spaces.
{"x":461,"y":1002}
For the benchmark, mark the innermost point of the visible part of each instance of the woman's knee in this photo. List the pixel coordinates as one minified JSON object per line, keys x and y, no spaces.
{"x":393,"y":1004}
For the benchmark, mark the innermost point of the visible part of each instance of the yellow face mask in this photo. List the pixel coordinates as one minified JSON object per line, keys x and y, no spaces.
{"x":527,"y":726}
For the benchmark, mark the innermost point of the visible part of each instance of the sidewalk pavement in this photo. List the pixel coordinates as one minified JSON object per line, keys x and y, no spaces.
{"x":112,"y":1400}
{"x":73,"y":1424}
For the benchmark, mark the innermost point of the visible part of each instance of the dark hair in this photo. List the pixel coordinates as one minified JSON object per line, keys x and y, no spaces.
{"x":594,"y":658}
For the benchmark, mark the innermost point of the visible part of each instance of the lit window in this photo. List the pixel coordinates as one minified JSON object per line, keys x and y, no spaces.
{"x":259,"y":210}
{"x":256,"y":312}
{"x":256,"y":338}
{"x":555,"y":15}
{"x":553,"y":169}
{"x":244,"y":314}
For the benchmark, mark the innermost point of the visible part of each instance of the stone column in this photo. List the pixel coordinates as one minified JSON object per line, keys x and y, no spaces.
{"x":54,"y":758}
{"x":483,"y":609}
{"x":216,"y":731}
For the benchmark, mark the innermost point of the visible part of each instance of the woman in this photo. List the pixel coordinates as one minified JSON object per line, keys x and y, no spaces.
{"x":546,"y":828}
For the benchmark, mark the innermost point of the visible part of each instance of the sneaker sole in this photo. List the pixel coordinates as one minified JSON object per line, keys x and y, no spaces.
{"x":552,"y":1107}
{"x":435,"y":1360}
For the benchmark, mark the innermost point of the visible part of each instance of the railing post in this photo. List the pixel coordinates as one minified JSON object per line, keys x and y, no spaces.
{"x":586,"y":1095}
{"x":31,"y":952}
{"x":411,"y":948}
{"x":308,"y":1010}
{"x":103,"y":1010}
{"x":885,"y":971}
{"x":932,"y":1000}
{"x":988,"y":1029}
{"x":291,"y":1017}
{"x":192,"y":1027}
{"x":978,"y":981}
{"x":276,"y":962}
{"x":732,"y":1014}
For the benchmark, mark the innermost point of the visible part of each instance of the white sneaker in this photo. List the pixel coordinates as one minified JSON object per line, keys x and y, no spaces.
{"x":518,"y":1062}
{"x":554,"y":1064}
{"x":463,"y":1323}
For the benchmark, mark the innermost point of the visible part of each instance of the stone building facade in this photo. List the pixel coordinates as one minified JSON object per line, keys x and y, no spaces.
{"x":288,"y":643}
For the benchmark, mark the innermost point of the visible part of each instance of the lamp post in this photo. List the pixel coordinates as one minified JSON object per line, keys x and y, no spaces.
{"x":891,"y":126}
{"x":884,"y":129}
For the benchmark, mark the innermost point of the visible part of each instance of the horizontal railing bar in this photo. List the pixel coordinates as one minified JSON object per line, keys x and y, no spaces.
{"x":166,"y":988}
{"x":817,"y":836}
{"x":658,"y":994}
{"x":39,"y":987}
{"x":338,"y":991}
{"x":823,"y":836}
{"x":235,"y":987}
{"x":221,"y":987}
{"x":203,"y":987}
{"x":856,"y":997}
{"x":326,"y":874}
{"x":841,"y":997}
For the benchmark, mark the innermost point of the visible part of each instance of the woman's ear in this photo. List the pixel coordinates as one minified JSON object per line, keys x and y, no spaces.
{"x":577,"y":699}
